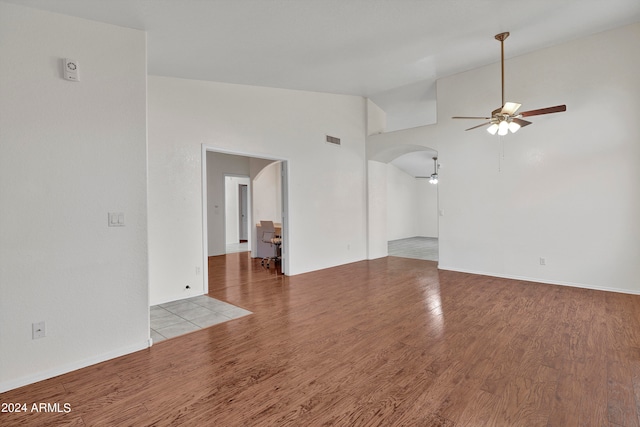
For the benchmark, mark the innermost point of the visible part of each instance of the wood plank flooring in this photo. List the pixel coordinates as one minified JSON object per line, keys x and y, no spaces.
{"x":389,"y":342}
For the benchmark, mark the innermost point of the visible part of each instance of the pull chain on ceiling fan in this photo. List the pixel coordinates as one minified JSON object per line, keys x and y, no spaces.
{"x":504,"y":119}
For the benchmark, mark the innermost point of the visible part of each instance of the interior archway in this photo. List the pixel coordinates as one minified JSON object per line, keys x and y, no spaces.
{"x":403,"y":205}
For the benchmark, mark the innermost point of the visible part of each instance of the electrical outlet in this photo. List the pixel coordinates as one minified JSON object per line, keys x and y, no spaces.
{"x":197,"y":270}
{"x":543,"y":261}
{"x":38,"y":330}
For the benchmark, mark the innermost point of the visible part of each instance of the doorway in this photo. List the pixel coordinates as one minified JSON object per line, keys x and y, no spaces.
{"x":412,"y":205}
{"x":217,"y":166}
{"x":243,"y":209}
{"x":236,"y":213}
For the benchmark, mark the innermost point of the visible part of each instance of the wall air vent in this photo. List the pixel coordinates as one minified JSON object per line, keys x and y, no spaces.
{"x":333,"y":140}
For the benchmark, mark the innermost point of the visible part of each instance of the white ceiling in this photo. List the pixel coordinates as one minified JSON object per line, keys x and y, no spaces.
{"x":416,"y":163}
{"x":391,"y":51}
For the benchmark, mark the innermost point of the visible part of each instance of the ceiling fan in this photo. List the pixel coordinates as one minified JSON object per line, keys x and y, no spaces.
{"x":506,"y":118}
{"x":433,"y":178}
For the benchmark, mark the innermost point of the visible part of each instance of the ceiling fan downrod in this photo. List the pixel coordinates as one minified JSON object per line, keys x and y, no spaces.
{"x":502,"y":37}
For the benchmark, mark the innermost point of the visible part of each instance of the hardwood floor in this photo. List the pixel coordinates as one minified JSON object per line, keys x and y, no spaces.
{"x":391,"y":342}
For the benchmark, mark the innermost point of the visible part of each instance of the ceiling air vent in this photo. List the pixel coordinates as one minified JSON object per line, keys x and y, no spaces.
{"x":333,"y":140}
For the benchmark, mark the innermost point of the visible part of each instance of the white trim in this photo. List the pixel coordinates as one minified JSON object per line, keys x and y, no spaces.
{"x":70,"y":367}
{"x":284,"y":189}
{"x":176,"y":298}
{"x":206,"y":147}
{"x":367,"y":201}
{"x":205,"y":231}
{"x":543,"y":281}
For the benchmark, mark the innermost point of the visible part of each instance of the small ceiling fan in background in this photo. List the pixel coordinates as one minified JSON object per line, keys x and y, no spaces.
{"x":506,"y":118}
{"x":433,"y":178}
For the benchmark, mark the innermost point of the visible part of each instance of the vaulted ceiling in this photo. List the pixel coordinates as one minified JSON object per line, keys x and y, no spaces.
{"x":391,"y":51}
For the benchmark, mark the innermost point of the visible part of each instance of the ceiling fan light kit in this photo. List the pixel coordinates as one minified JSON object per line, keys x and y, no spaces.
{"x":505,"y":119}
{"x":433,"y":179}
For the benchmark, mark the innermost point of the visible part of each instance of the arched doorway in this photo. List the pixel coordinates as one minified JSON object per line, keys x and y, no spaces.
{"x":403,"y":204}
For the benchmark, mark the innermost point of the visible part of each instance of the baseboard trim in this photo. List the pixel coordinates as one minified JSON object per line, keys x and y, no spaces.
{"x":175,"y":298}
{"x":45,"y":375}
{"x":537,"y":280}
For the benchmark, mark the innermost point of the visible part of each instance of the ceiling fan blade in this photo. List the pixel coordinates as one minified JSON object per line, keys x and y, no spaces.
{"x":548,"y":110}
{"x":510,"y":108}
{"x":461,"y":117}
{"x":521,"y":122}
{"x":479,"y":126}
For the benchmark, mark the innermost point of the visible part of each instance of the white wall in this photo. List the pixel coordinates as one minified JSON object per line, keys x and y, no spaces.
{"x":409,"y":106}
{"x":377,"y":209}
{"x":232,"y":205}
{"x":218,"y":165}
{"x":326,"y":182}
{"x":376,"y":118}
{"x":69,"y":153}
{"x":411,"y":206}
{"x":428,"y":208}
{"x":566,"y":188}
{"x":267,"y":199}
{"x":266,"y":196}
{"x":381,"y":149}
{"x":402,"y":204}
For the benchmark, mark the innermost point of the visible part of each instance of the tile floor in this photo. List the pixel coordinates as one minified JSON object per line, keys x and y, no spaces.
{"x":415,"y":247}
{"x":180,"y":317}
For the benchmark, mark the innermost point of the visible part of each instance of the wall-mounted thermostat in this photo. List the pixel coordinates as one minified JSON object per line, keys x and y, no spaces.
{"x":71,"y":70}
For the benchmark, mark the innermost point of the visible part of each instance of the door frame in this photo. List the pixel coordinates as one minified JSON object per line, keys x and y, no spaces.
{"x":285,"y":206}
{"x":244,"y":217}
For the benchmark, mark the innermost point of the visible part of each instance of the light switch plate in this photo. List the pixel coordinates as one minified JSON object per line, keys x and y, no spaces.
{"x":116,"y":219}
